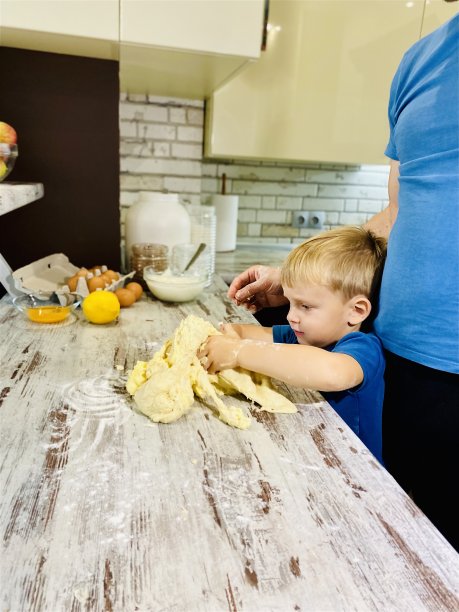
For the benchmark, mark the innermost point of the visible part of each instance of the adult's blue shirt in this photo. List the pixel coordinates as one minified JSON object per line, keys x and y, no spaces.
{"x":418,"y":316}
{"x":360,"y":407}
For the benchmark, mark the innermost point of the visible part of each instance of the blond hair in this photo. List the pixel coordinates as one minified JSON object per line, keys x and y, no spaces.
{"x":347,"y":259}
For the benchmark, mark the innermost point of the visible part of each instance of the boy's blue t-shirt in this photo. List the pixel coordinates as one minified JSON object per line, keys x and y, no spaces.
{"x":360,"y":407}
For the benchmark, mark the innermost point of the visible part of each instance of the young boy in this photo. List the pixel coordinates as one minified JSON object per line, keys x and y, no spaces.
{"x":330,"y":281}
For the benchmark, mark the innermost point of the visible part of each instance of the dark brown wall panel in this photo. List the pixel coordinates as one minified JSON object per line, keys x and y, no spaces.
{"x":65,"y":111}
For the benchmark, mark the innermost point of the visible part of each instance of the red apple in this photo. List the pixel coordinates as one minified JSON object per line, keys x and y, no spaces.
{"x":7,"y":133}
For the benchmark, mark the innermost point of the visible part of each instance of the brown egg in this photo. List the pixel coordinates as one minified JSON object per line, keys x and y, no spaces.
{"x":72,"y":282}
{"x":105,"y":278}
{"x":125,"y":297}
{"x":136,"y":289}
{"x":96,"y":282}
{"x":82,"y":272}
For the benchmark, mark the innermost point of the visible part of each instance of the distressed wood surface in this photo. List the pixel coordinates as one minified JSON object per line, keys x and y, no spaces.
{"x":102,"y":509}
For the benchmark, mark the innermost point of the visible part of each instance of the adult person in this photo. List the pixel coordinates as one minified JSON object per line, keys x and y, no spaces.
{"x":418,"y":317}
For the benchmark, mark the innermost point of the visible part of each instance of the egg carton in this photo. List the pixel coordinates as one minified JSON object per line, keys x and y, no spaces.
{"x":49,"y":275}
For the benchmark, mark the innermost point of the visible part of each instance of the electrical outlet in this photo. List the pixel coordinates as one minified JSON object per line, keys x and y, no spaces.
{"x":308,"y":218}
{"x":316,"y":219}
{"x":300,"y":218}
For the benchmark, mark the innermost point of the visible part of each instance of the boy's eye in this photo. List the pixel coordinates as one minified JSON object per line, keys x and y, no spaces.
{"x":305,"y":306}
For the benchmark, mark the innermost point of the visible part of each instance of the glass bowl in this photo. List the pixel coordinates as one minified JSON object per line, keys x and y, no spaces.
{"x":170,"y":287}
{"x":47,"y":308}
{"x":8,"y":155}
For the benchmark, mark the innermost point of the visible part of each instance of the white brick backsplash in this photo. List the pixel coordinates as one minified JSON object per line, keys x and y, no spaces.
{"x":176,"y":184}
{"x":261,"y":173}
{"x":209,"y":185}
{"x":158,"y":131}
{"x":247,"y":215}
{"x":268,"y":202}
{"x":268,"y":188}
{"x":288,"y":203}
{"x":141,"y":183}
{"x":369,"y":206}
{"x":322,"y":204}
{"x":351,"y":191}
{"x":249,"y":202}
{"x":161,"y":148}
{"x":271,"y":216}
{"x":186,"y":151}
{"x":348,"y":177}
{"x":254,"y":229}
{"x":209,"y":169}
{"x":352,"y":218}
{"x":351,"y":205}
{"x":189,"y":134}
{"x":178,"y":167}
{"x":195,"y":116}
{"x":331,"y":218}
{"x":177,"y":115}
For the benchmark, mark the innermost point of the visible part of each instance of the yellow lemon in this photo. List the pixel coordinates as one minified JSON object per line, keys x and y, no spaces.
{"x":101,"y":307}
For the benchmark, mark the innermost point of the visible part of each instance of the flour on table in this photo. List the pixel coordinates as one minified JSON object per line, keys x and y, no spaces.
{"x":164,"y":388}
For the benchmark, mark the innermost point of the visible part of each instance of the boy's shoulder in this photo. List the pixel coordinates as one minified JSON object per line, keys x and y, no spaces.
{"x":361,"y":345}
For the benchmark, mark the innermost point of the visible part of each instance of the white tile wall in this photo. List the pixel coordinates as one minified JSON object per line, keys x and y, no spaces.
{"x":161,"y":149}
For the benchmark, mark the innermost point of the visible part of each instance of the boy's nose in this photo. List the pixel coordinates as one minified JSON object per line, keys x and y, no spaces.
{"x":291,"y":317}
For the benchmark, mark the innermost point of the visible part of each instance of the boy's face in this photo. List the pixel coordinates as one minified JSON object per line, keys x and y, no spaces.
{"x":318,"y":316}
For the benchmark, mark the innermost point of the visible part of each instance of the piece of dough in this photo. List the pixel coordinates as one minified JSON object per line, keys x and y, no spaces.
{"x":164,"y":388}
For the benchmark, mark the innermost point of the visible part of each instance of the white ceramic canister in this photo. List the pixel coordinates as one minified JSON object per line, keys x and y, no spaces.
{"x":156,"y":218}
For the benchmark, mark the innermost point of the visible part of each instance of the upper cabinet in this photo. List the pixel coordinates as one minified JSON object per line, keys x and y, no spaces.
{"x":78,"y":27}
{"x":437,"y":12}
{"x":182,"y":48}
{"x":186,"y":48}
{"x":320,"y":91}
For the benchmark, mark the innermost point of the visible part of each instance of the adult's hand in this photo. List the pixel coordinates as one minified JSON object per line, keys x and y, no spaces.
{"x":257,"y":287}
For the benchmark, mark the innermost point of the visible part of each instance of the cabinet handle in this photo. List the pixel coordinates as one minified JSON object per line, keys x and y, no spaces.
{"x":264,"y":36}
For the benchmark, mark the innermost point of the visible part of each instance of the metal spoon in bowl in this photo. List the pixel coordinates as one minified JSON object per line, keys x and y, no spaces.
{"x":197,"y":253}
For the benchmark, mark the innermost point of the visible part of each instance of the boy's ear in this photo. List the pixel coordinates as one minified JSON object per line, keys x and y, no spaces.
{"x":359,"y":309}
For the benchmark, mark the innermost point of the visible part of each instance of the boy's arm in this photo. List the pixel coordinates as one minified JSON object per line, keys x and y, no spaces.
{"x":247,"y":331}
{"x":308,"y":367}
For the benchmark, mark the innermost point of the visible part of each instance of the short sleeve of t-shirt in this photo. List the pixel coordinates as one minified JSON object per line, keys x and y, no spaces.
{"x":284,"y":334}
{"x":367,"y":350}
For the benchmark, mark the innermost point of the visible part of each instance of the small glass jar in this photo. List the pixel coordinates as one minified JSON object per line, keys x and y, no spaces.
{"x":148,"y":254}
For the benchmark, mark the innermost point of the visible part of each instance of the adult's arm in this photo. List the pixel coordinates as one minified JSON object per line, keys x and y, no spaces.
{"x":382,"y":223}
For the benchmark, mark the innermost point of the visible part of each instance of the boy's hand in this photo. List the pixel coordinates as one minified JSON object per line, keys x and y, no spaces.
{"x":220,"y":353}
{"x":230,"y":329}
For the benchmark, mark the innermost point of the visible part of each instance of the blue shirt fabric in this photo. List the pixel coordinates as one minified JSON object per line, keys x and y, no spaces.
{"x":418,"y":316}
{"x":360,"y":407}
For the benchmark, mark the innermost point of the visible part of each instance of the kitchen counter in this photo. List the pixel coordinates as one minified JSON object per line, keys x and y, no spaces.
{"x":101,"y":509}
{"x":229,"y":264}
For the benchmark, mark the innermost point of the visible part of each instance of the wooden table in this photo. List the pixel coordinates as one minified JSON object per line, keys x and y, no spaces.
{"x":102,"y":509}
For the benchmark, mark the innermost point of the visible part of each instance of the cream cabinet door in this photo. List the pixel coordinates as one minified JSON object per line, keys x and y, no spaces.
{"x":229,"y":27}
{"x":436,"y":13}
{"x":186,"y":48}
{"x":79,"y":27}
{"x":320,"y":92}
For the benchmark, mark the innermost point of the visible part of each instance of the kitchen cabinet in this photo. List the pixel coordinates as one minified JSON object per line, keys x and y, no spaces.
{"x":76,"y":27}
{"x":437,"y":12}
{"x":320,"y":91}
{"x":186,"y":48}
